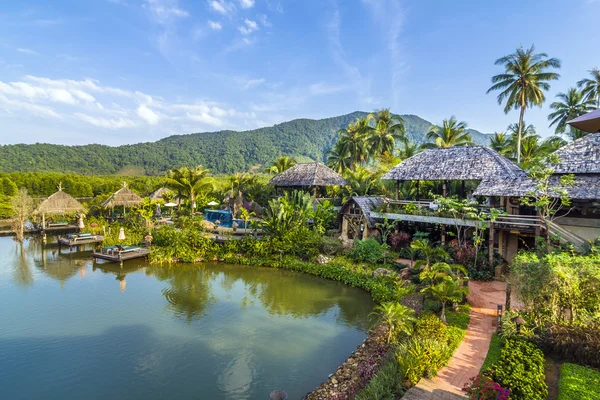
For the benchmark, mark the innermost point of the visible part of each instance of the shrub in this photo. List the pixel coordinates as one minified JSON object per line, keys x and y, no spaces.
{"x":577,"y":382}
{"x":331,"y":246}
{"x":399,"y":240}
{"x":386,"y":385}
{"x":430,"y":325}
{"x":419,"y":357}
{"x":521,"y":369}
{"x":577,"y":344}
{"x":482,"y":387}
{"x":432,"y":305}
{"x":369,"y":251}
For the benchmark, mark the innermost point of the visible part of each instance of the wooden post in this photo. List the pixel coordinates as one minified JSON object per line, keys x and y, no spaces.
{"x":462,"y":189}
{"x":491,"y":245}
{"x":444,"y":193}
{"x":397,"y":190}
{"x":444,"y":189}
{"x":418,"y":181}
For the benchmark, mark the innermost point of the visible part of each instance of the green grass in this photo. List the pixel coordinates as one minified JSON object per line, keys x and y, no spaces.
{"x":577,"y":382}
{"x":493,"y":354}
{"x":386,"y":385}
{"x":460,"y":318}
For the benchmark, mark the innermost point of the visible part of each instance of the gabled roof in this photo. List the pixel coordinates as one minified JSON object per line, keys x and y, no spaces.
{"x":308,"y":174}
{"x":580,"y":157}
{"x":454,"y":163}
{"x":59,"y":203}
{"x":585,"y":187}
{"x":366,"y":204}
{"x":122,"y":197}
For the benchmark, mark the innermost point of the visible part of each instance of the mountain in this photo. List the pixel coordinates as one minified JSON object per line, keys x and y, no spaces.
{"x":221,"y":152}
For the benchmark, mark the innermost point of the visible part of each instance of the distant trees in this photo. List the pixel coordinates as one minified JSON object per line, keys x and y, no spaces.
{"x":451,"y":133}
{"x":526,"y":76}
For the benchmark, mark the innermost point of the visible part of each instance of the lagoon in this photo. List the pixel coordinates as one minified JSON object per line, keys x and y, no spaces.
{"x":73,"y":329}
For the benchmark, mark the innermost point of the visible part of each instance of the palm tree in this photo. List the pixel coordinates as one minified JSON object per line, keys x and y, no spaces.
{"x":526,"y":131}
{"x":523,"y":83}
{"x":361,"y":182}
{"x":281,"y":164}
{"x":451,"y":133}
{"x":339,"y":158}
{"x":571,"y":105}
{"x":591,"y":87}
{"x":448,"y":289}
{"x":351,"y":141}
{"x":409,"y":150}
{"x":388,"y":129}
{"x":500,"y":142}
{"x":399,"y":319}
{"x":189,"y":182}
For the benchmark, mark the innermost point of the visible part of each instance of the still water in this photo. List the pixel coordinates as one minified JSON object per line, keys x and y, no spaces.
{"x":70,"y":329}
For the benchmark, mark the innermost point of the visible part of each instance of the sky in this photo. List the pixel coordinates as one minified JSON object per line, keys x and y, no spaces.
{"x":127,"y":71}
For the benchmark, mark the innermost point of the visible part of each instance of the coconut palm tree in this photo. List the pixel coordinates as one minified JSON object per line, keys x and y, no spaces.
{"x":388,"y":129}
{"x":409,"y":150}
{"x":500,"y":142}
{"x":451,"y":133}
{"x":352,"y":141}
{"x":339,"y":158}
{"x":189,"y":182}
{"x":571,"y":105}
{"x":591,"y":87}
{"x":448,"y":289}
{"x":281,"y":164}
{"x":513,"y":130}
{"x":523,"y":82}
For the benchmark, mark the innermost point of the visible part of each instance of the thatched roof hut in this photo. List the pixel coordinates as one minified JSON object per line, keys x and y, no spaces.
{"x":124,"y":197}
{"x":159,"y":193}
{"x":580,"y":157}
{"x":59,"y":203}
{"x":363,"y":205}
{"x":461,"y":163}
{"x":313,"y":174}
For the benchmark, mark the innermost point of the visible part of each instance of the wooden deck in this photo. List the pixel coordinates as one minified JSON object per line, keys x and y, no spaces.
{"x":76,"y":241}
{"x":115,"y":255}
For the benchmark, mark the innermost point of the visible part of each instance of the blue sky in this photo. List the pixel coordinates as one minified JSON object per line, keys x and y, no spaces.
{"x":126,"y":71}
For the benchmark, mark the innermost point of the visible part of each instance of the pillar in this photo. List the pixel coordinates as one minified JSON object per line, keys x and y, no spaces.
{"x":397,"y":190}
{"x":491,"y":245}
{"x":344,"y":228}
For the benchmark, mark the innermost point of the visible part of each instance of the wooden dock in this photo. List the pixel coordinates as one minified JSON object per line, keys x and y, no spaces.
{"x":76,"y":240}
{"x":120,"y":254}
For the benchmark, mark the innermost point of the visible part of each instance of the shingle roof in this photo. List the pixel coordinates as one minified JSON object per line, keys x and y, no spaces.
{"x":585,"y":187}
{"x":308,"y":174}
{"x":454,"y":163}
{"x":580,"y":157}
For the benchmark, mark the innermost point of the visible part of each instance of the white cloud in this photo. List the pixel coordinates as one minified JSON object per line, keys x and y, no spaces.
{"x":205,"y":118}
{"x":107,"y":123}
{"x":27,"y":51}
{"x":215,"y":25}
{"x":148,"y":115}
{"x":248,"y":27}
{"x":163,"y":11}
{"x":264,"y":21}
{"x":247,"y":3}
{"x":252,"y":83}
{"x":221,"y":6}
{"x":12,"y":105}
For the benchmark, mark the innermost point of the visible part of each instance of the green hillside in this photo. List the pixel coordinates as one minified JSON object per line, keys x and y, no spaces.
{"x":222,"y":152}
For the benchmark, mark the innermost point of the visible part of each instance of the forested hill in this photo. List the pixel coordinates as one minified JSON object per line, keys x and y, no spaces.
{"x":221,"y":152}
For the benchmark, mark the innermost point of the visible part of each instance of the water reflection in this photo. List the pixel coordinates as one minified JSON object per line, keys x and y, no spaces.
{"x":22,"y":271}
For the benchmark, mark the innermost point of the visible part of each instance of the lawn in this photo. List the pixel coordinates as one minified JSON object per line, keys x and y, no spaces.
{"x":578,"y":382}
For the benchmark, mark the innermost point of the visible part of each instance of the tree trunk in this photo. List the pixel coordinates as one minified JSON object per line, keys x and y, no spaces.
{"x":443,"y":314}
{"x":508,"y":295}
{"x":520,"y":134}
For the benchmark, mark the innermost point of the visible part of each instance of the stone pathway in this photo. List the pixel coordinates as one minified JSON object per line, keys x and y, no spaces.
{"x":468,"y":358}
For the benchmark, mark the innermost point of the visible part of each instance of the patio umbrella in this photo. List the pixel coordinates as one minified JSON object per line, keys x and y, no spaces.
{"x":213,"y":203}
{"x":122,"y":234}
{"x":171,"y":205}
{"x":589,"y":122}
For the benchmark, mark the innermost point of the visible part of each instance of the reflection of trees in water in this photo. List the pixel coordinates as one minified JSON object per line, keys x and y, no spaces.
{"x":54,"y":264}
{"x":299,"y":295}
{"x":189,"y":294}
{"x":22,"y":272}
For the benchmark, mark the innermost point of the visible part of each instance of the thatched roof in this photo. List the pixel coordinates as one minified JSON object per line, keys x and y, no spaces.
{"x":585,"y":187}
{"x":580,"y":157}
{"x":159,"y":193}
{"x":122,"y":197}
{"x":308,"y":174}
{"x":454,"y":164}
{"x":59,"y":203}
{"x":366,"y":204}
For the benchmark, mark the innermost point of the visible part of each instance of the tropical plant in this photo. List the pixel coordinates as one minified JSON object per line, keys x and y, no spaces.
{"x":570,"y":105}
{"x":591,"y":87}
{"x":352,"y":142}
{"x":501,"y":143}
{"x":189,"y":183}
{"x":282,"y":163}
{"x":388,"y":129}
{"x":339,"y":158}
{"x":451,"y":133}
{"x":398,"y":318}
{"x":523,"y":82}
{"x":448,"y":289}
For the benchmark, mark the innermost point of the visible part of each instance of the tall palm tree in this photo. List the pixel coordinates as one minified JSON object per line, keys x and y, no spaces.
{"x":339,"y":158}
{"x":591,"y":87}
{"x":388,"y":129}
{"x":571,"y":105}
{"x":500,"y":142}
{"x":451,"y":133}
{"x":410,"y":149}
{"x":351,"y":141}
{"x":281,"y":164}
{"x":189,"y":182}
{"x":513,"y":130}
{"x":523,"y":83}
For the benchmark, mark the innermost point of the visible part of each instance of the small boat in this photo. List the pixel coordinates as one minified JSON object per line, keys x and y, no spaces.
{"x":120,"y":253}
{"x":75,"y":239}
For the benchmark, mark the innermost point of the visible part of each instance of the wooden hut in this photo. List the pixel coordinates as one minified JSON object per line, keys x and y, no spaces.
{"x":123,"y":197}
{"x":60,"y":203}
{"x":357,"y":221}
{"x":460,"y":163}
{"x":313,"y":175}
{"x":159,"y":193}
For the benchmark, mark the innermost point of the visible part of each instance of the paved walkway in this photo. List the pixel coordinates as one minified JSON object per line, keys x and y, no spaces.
{"x":468,"y":358}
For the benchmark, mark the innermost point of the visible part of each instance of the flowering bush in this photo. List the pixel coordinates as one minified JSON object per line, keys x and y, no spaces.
{"x":400,"y":239}
{"x":482,"y":387}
